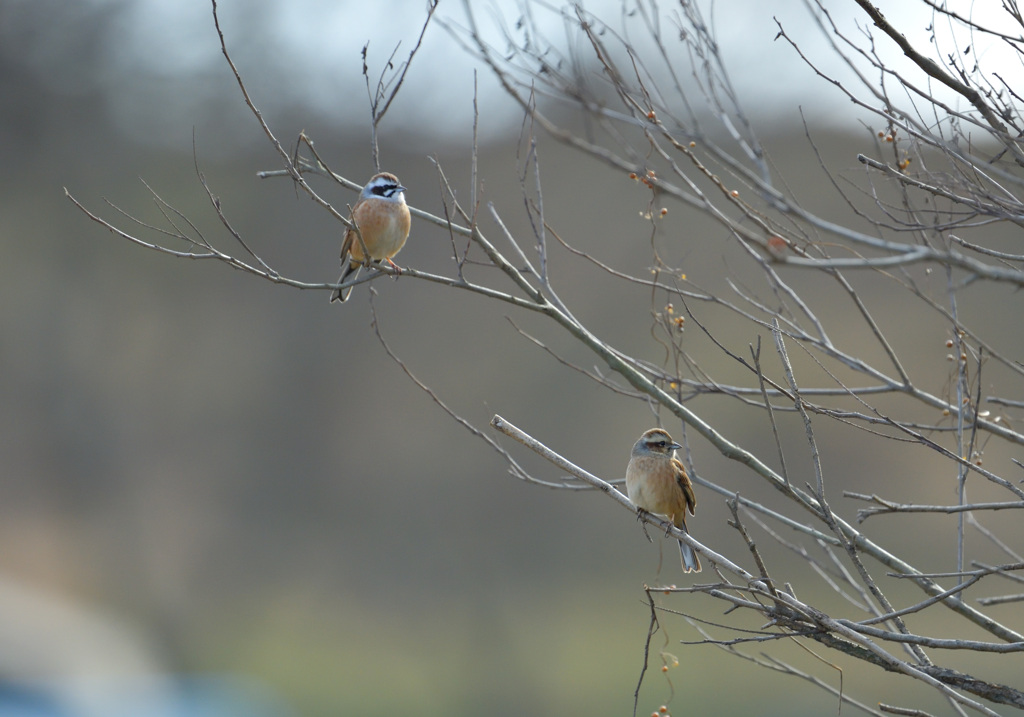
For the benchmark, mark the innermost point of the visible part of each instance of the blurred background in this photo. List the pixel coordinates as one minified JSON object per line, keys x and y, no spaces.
{"x":220,"y":496}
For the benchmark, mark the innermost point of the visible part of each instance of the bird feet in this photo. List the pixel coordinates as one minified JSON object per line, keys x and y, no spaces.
{"x":640,"y":515}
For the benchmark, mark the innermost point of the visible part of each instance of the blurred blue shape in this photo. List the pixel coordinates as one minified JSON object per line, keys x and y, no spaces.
{"x":160,"y":696}
{"x":24,"y":701}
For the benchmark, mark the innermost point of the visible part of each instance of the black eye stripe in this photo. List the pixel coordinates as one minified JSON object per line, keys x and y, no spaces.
{"x":384,"y":190}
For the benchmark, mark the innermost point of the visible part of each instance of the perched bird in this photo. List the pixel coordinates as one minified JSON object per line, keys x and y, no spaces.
{"x":657,"y":482}
{"x":382,"y":217}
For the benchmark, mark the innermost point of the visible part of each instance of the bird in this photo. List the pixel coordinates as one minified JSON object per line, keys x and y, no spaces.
{"x":382,"y":218}
{"x":657,"y":483}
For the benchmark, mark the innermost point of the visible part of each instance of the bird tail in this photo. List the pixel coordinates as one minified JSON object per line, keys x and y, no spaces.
{"x":691,"y":563}
{"x":342,"y":294}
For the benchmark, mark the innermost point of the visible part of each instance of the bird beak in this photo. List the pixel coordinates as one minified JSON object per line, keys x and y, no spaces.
{"x":674,"y":446}
{"x":401,"y":188}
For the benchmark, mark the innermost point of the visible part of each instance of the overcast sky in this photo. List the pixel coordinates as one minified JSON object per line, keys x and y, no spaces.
{"x":159,"y":61}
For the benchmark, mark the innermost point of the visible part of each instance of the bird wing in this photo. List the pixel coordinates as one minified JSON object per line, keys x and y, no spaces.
{"x":346,"y":246}
{"x":685,"y":485}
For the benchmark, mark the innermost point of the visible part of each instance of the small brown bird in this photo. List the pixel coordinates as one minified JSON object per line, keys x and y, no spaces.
{"x":657,"y":483}
{"x":383,"y":220}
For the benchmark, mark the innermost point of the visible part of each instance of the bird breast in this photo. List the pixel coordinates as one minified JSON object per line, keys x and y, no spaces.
{"x":651,"y":484}
{"x":384,"y":226}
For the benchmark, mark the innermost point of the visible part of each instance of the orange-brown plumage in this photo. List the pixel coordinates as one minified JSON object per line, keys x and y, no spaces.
{"x":657,"y":483}
{"x":383,"y":220}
